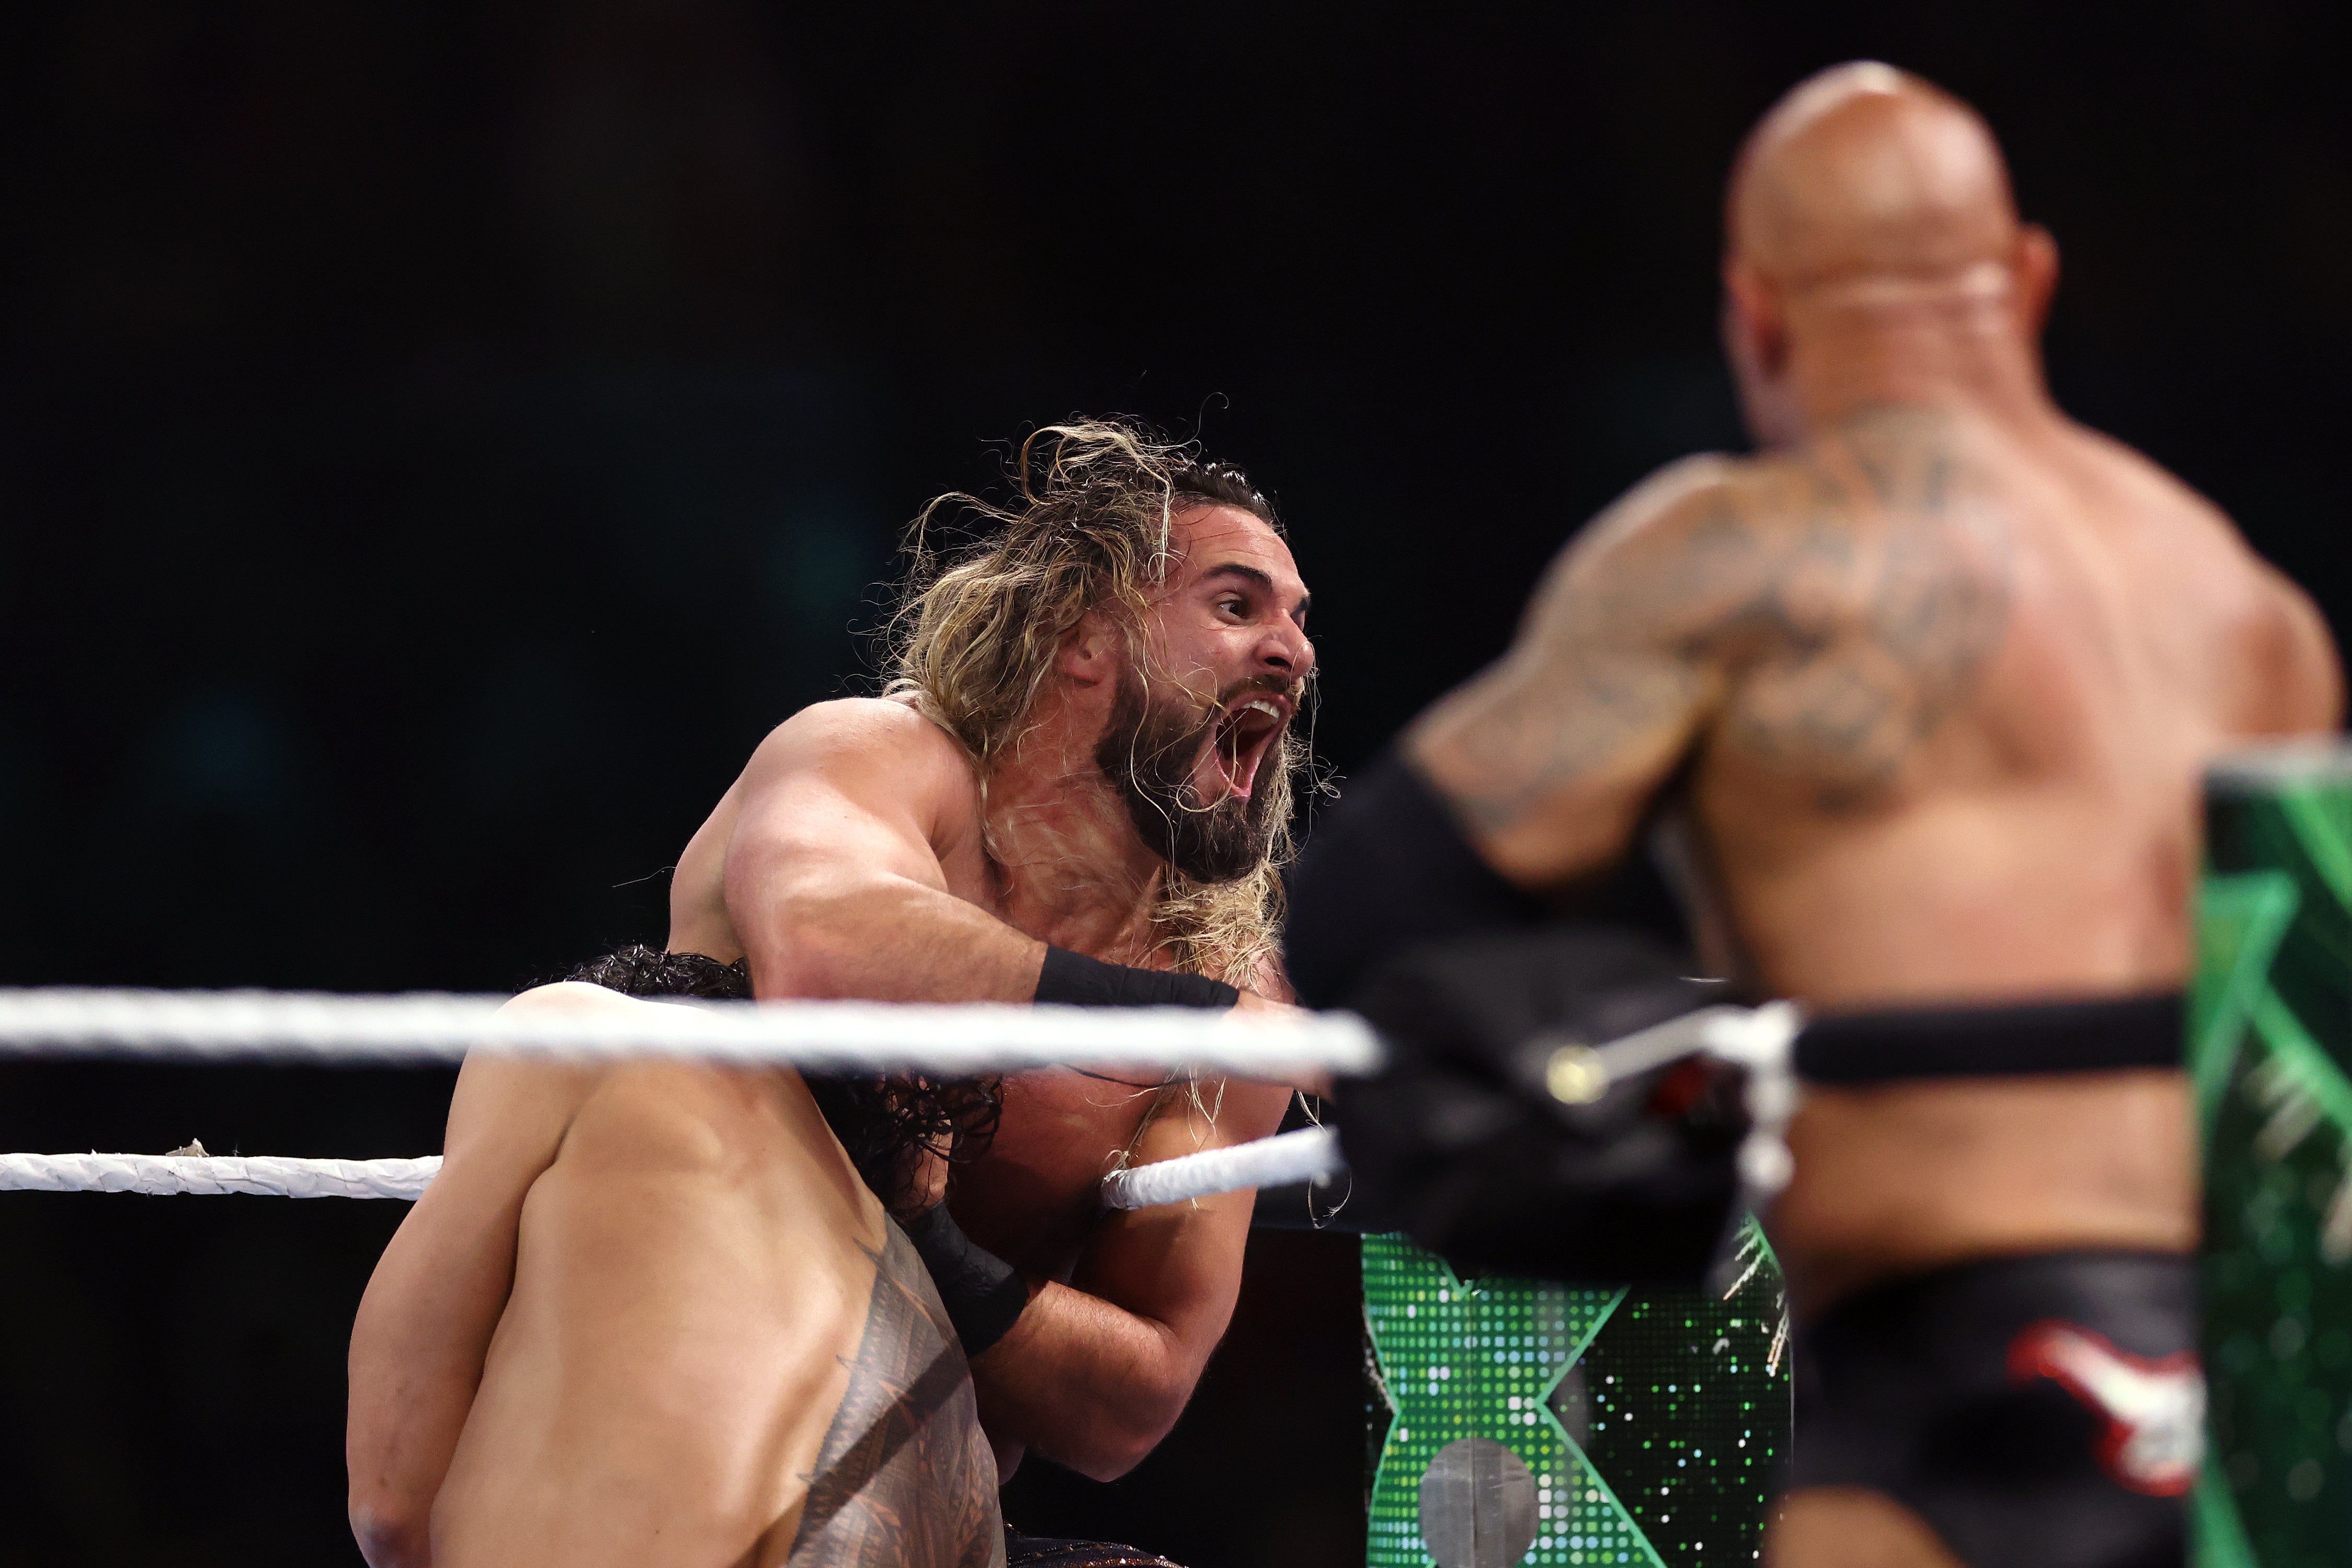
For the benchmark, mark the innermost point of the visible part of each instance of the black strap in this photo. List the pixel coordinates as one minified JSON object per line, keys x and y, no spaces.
{"x":2018,"y":1040}
{"x":1073,"y":980}
{"x":984,"y":1296}
{"x":1387,"y":870}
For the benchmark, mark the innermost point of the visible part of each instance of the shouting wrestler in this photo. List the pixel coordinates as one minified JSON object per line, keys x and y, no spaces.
{"x":650,"y":1314}
{"x":1923,"y":693}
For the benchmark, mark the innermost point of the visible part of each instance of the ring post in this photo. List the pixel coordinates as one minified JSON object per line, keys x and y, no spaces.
{"x":1518,"y":1422}
{"x":2270,"y":1053}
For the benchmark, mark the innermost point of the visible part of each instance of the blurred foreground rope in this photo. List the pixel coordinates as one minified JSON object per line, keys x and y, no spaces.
{"x":416,"y":1029}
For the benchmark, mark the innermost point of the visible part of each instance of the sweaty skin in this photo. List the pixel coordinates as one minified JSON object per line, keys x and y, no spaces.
{"x":858,"y":856}
{"x":851,"y":860}
{"x":1925,"y":690}
{"x":758,"y":1373}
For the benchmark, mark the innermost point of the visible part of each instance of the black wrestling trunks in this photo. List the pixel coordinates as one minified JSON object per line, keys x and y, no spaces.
{"x":2038,"y":1411}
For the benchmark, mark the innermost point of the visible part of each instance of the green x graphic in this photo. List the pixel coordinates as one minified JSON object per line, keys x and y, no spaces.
{"x":2269,"y":1042}
{"x":1643,"y":1423}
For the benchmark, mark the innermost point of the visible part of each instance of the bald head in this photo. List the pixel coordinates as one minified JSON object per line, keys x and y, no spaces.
{"x":1863,"y":172}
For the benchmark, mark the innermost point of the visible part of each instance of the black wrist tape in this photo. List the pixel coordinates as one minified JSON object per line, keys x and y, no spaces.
{"x":983,"y":1294}
{"x":1077,"y":981}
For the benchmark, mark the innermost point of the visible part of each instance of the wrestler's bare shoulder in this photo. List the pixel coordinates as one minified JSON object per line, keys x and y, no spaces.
{"x":1711,"y":554}
{"x":522,"y":1100}
{"x":881,"y":753}
{"x":870,"y":735}
{"x":2284,"y":677}
{"x":1706,"y":543}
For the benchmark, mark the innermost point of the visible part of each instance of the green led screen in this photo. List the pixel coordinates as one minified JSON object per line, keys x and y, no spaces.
{"x":1518,"y":1422}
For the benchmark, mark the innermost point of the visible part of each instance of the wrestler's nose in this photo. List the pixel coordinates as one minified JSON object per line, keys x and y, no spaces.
{"x":1284,"y":651}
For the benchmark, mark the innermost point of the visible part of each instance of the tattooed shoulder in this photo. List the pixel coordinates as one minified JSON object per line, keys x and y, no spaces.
{"x":1822,"y":612}
{"x":1884,"y":589}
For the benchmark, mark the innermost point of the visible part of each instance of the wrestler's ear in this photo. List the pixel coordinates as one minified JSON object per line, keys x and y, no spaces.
{"x":1089,"y":655}
{"x":2037,"y":276}
{"x":1755,"y":333}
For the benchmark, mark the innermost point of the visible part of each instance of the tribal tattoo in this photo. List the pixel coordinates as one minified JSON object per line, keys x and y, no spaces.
{"x":905,"y":1478}
{"x":1822,"y":612}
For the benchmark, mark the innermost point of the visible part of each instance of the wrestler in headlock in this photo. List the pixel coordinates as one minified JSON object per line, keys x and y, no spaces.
{"x":1916,"y":701}
{"x":666,"y":1313}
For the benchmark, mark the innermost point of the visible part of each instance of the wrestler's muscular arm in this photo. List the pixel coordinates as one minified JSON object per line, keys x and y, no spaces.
{"x":1824,"y":610}
{"x":834,"y":868}
{"x":1549,"y":755}
{"x":2296,"y":678}
{"x":835,"y":887}
{"x":835,"y":881}
{"x":424,"y":1324}
{"x":1095,"y":1372}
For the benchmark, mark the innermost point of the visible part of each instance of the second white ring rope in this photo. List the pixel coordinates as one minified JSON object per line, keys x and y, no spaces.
{"x":1309,"y":1154}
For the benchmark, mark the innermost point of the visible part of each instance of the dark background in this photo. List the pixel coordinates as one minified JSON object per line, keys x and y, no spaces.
{"x":434,"y":450}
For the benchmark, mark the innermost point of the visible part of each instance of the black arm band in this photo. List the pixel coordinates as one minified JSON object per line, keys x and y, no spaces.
{"x":1077,"y":981}
{"x":983,"y":1294}
{"x":1388,"y":869}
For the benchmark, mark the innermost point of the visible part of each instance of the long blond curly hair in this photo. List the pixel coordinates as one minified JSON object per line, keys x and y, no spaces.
{"x":976,"y":628}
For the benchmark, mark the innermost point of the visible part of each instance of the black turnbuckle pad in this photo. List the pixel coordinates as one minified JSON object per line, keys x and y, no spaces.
{"x":1499,"y":1138}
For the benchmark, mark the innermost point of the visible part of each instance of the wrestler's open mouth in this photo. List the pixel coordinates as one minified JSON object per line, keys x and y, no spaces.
{"x":1243,"y":738}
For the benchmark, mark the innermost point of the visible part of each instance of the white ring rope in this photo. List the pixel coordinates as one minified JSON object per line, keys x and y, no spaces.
{"x":417,"y":1029}
{"x":263,"y":1175}
{"x":1309,"y":1154}
{"x":433,"y":1027}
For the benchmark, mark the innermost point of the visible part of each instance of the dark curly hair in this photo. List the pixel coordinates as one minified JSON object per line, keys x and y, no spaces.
{"x":886,"y":1123}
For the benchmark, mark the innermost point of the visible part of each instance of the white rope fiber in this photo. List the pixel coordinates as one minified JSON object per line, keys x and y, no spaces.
{"x":262,"y":1176}
{"x":437,"y":1029}
{"x":423,"y":1028}
{"x":1309,"y":1154}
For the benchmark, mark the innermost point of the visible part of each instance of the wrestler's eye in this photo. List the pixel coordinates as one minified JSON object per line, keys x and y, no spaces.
{"x":1237,"y":608}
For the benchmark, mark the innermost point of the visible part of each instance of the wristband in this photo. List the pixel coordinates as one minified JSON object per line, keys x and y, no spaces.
{"x":1077,"y":981}
{"x":984,"y":1296}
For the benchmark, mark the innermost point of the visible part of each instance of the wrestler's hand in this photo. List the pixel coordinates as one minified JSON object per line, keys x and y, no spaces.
{"x":926,"y":1184}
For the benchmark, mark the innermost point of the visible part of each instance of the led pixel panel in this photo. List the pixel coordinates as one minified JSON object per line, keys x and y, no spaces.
{"x":2270,"y":1052}
{"x":1644,"y":1424}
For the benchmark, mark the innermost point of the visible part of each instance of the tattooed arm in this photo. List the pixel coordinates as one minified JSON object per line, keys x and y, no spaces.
{"x":1549,"y":756}
{"x":1820,"y":612}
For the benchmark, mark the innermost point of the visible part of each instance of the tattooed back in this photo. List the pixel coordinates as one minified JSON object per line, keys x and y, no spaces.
{"x":1927,"y":699}
{"x":1920,"y":706}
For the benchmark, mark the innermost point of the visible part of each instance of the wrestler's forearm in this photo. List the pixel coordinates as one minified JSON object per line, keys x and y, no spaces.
{"x":433,"y":1304}
{"x":888,"y":939}
{"x":1088,"y":1385}
{"x":416,"y":1355}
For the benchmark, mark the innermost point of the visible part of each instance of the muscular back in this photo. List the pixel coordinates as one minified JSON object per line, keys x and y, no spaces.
{"x":1959,"y":757}
{"x":1928,"y":698}
{"x":1940,"y":691}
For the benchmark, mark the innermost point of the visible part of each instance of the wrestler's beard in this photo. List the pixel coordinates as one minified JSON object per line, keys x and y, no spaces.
{"x":1148,"y":753}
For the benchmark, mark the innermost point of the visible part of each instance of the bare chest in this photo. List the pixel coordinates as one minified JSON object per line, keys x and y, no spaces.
{"x":1037,"y":1194}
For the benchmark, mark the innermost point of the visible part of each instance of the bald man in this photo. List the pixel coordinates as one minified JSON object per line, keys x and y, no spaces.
{"x":1922,"y":692}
